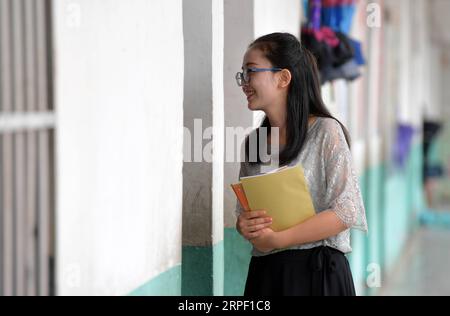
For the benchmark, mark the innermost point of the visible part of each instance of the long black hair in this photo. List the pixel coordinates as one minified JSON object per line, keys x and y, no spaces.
{"x":285,"y":51}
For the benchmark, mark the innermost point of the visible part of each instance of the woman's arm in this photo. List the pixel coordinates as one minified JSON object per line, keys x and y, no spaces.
{"x":324,"y":225}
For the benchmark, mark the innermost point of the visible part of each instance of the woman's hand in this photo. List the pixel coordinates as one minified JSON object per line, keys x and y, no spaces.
{"x":267,"y":241}
{"x":252,"y":224}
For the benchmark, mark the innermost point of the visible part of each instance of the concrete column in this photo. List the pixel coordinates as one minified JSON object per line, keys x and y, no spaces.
{"x":239,"y":33}
{"x":244,"y":22}
{"x":202,"y":271}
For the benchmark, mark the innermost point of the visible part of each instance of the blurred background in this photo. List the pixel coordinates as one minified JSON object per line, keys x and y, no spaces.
{"x":98,"y":195}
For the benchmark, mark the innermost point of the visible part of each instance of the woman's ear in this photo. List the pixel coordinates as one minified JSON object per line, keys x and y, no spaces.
{"x":285,"y":78}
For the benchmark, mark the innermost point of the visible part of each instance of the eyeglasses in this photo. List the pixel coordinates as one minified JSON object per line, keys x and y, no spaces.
{"x":244,"y":77}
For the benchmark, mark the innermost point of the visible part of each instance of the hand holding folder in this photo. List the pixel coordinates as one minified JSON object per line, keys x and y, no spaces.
{"x":283,"y":193}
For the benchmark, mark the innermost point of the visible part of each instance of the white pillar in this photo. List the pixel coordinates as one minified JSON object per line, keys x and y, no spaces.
{"x":119,"y":107}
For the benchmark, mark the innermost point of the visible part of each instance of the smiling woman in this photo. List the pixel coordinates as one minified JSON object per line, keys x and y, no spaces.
{"x":280,"y":78}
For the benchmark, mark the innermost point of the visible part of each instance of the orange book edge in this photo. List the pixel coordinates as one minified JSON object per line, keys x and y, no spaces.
{"x":240,"y":194}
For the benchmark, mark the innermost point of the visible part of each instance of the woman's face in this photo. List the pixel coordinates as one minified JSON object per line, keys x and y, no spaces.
{"x":261,"y":88}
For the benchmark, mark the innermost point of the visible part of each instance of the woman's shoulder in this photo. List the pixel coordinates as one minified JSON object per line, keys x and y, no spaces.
{"x":330,"y":134}
{"x":328,"y":126}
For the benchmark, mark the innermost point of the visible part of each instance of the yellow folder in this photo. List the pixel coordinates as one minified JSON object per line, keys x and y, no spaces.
{"x":284,"y":194}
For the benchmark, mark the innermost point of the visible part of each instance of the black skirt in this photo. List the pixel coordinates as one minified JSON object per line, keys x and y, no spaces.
{"x":321,"y":271}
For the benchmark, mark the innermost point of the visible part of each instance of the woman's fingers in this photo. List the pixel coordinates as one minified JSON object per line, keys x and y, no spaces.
{"x":255,"y":231}
{"x":251,"y":223}
{"x":254,"y":214}
{"x":256,"y":234}
{"x":259,"y":221}
{"x":256,"y":228}
{"x":253,"y":236}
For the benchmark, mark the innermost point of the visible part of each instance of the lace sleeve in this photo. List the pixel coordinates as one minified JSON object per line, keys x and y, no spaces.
{"x":343,"y":194}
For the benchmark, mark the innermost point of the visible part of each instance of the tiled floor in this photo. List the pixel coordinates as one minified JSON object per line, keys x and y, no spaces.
{"x":424,"y":269}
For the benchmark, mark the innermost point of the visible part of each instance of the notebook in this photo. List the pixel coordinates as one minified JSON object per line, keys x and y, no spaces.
{"x":283,"y":193}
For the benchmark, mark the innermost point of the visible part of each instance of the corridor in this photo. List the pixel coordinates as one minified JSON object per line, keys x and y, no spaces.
{"x":423,"y":267}
{"x":123,"y":128}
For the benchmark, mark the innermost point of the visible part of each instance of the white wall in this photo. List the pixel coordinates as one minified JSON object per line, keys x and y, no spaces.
{"x":119,"y":101}
{"x":277,"y":16}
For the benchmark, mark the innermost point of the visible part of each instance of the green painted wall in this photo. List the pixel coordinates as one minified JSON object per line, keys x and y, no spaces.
{"x":218,"y":271}
{"x":203,"y":270}
{"x":393,"y":201}
{"x":404,"y":200}
{"x":201,"y":274}
{"x":237,"y":259}
{"x":166,"y":284}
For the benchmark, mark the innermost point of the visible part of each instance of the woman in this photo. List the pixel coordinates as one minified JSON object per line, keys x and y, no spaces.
{"x":280,"y":78}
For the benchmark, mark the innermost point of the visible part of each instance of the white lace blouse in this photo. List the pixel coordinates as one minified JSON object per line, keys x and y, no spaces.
{"x":327,"y":163}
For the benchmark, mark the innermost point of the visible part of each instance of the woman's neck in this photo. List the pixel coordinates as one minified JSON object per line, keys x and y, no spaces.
{"x":279,"y":120}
